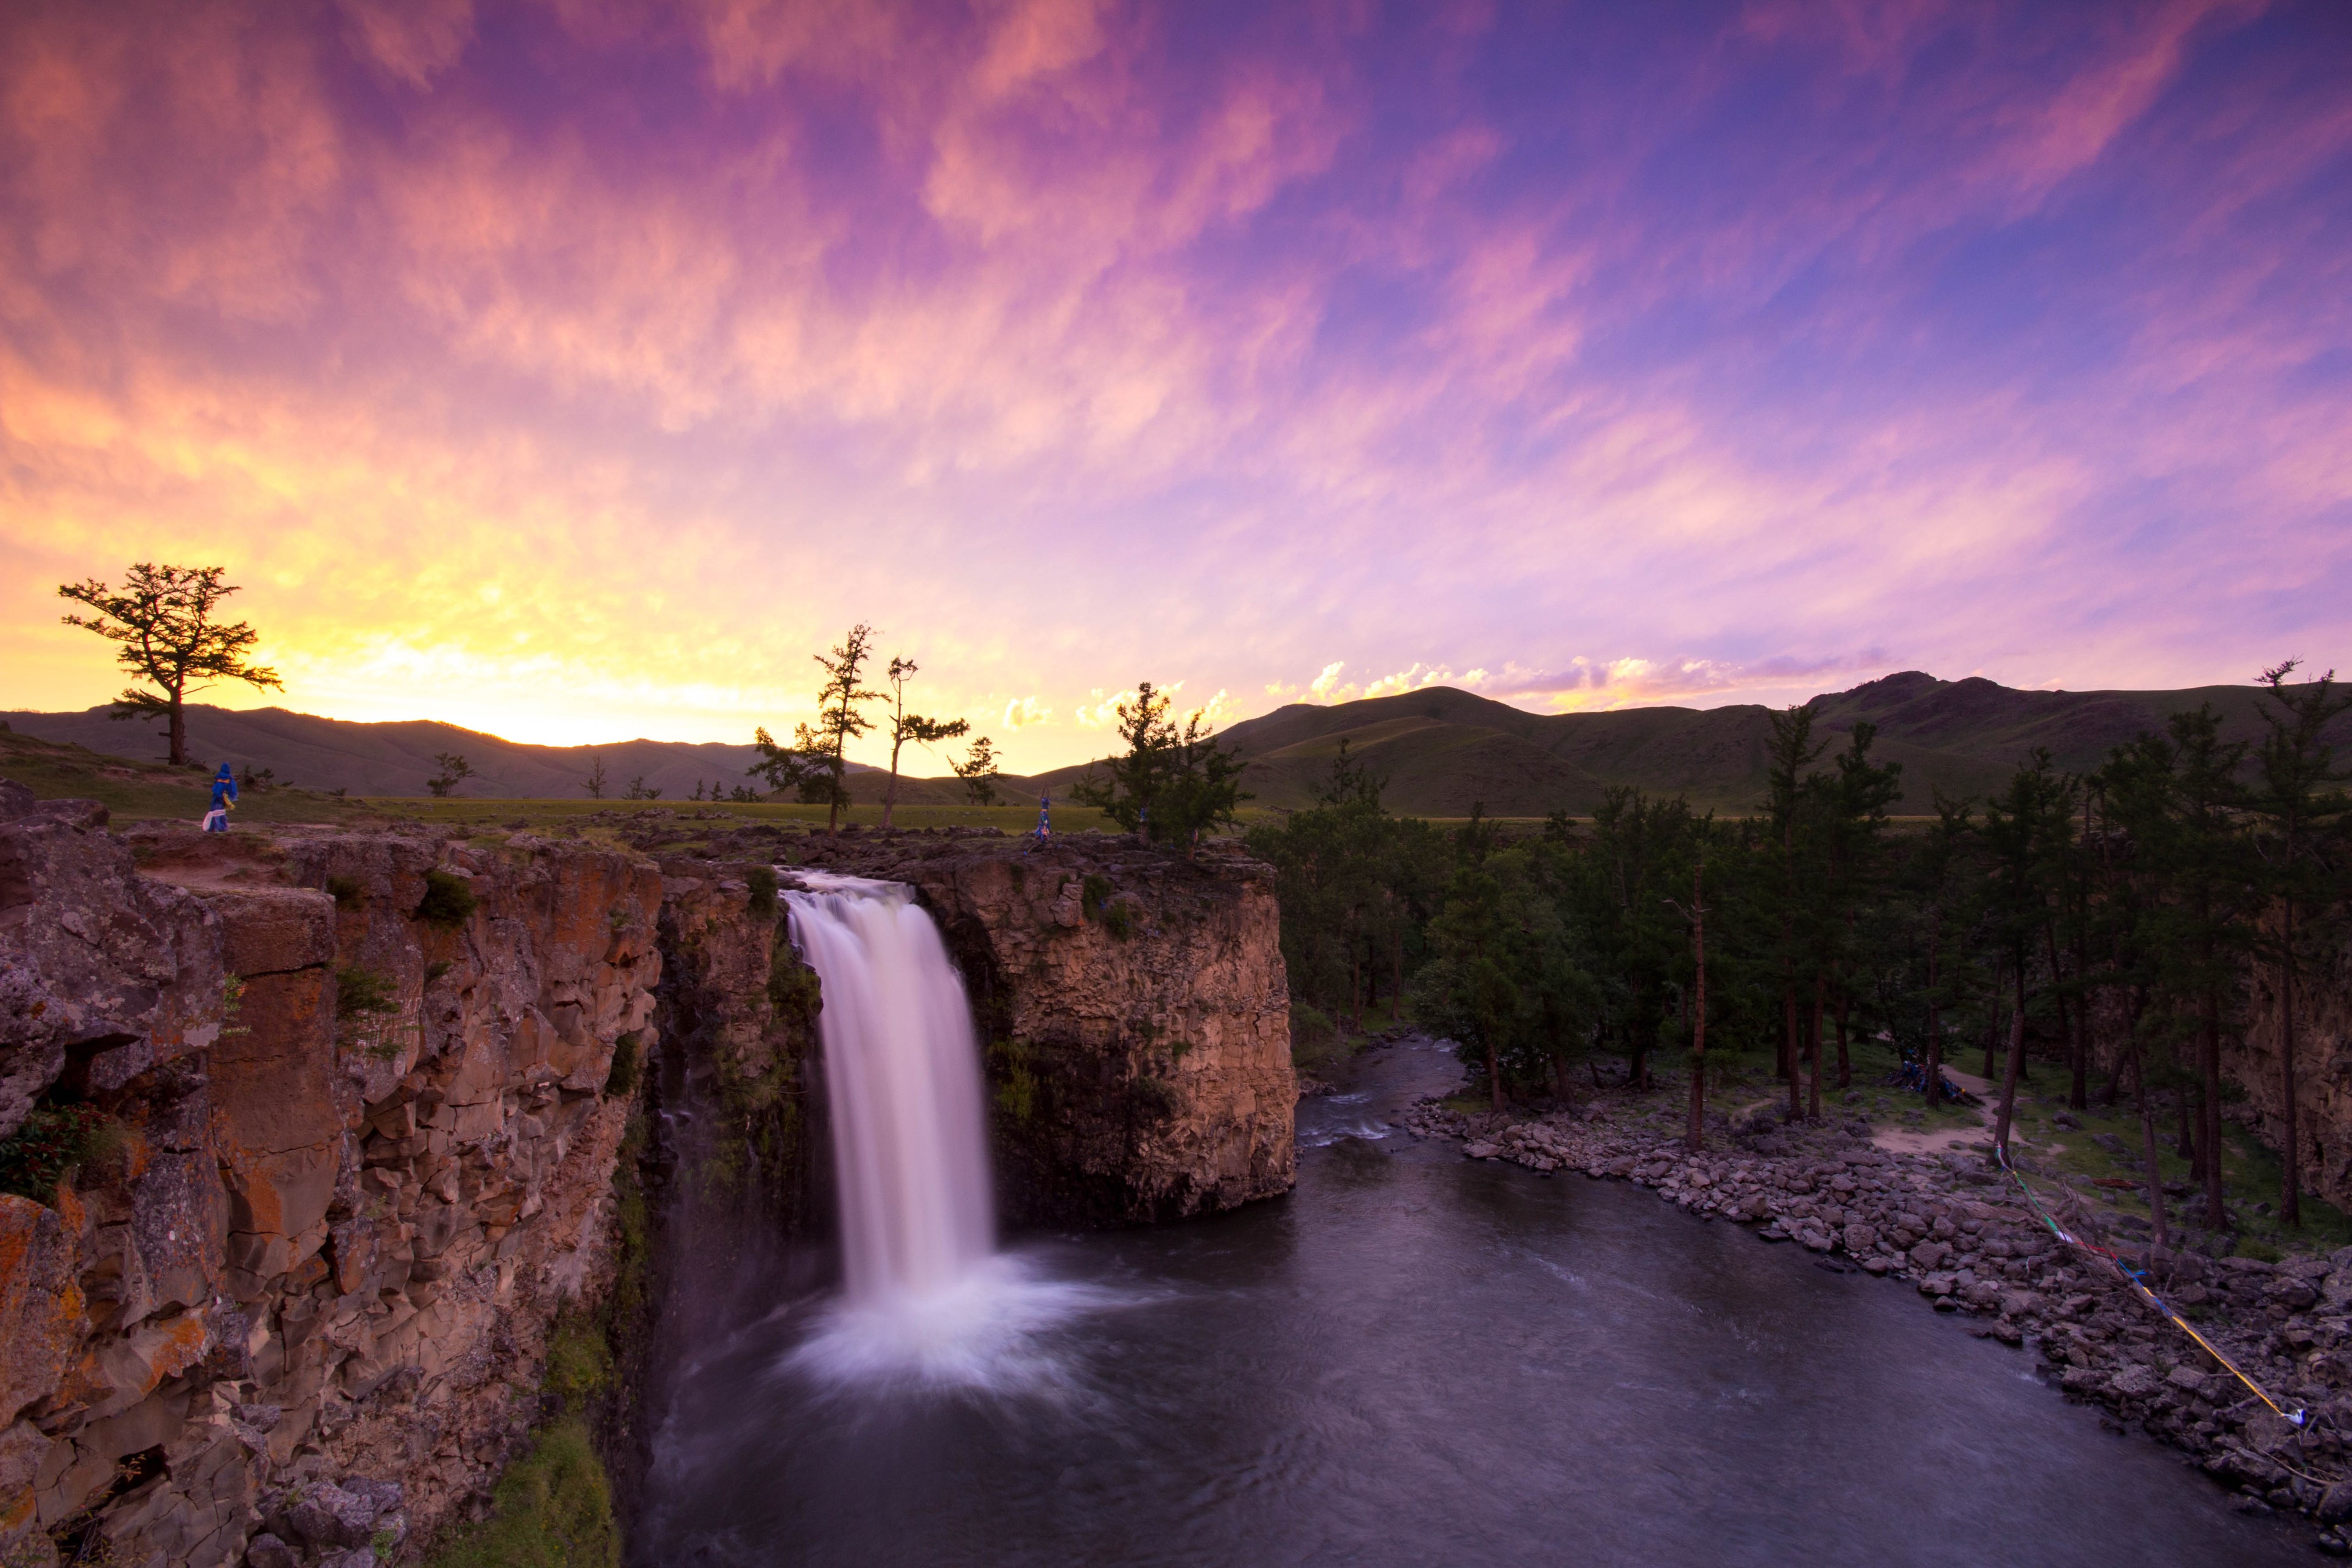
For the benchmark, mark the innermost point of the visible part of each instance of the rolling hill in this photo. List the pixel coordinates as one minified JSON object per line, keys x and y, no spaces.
{"x":1442,"y":750}
{"x":395,"y":759}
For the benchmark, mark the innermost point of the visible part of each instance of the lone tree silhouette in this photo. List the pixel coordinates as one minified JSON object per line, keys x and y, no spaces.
{"x":817,"y":760}
{"x":455,"y":770}
{"x":905,"y":727}
{"x":164,"y":620}
{"x":978,"y":772}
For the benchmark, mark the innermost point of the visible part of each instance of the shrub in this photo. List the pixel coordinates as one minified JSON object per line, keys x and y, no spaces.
{"x":1100,"y":900}
{"x":1094,"y":893}
{"x":359,"y":990}
{"x":793,"y":986}
{"x":1016,"y":1094}
{"x":47,"y":1148}
{"x":448,"y":899}
{"x":623,"y":1078}
{"x":763,"y":892}
{"x":579,"y":1362}
{"x":1314,"y":1037}
{"x":553,"y":1508}
{"x":1155,"y":1098}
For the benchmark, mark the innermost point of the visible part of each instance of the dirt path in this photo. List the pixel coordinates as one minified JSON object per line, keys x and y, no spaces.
{"x":1902,"y":1141}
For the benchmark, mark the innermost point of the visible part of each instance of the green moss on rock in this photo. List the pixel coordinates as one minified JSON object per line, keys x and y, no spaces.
{"x":552,"y":1508}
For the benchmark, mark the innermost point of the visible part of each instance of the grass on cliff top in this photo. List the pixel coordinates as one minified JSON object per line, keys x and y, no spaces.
{"x":722,"y":814}
{"x":142,"y":792}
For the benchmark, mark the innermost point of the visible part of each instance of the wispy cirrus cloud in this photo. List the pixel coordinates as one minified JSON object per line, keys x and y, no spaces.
{"x":574,"y":369}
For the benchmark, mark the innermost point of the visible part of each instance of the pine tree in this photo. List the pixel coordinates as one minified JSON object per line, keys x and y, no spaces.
{"x":816,"y":765}
{"x":906,"y":727}
{"x":978,"y":772}
{"x":1172,"y":782}
{"x":163,"y":619}
{"x":2024,"y":832}
{"x":1855,"y":850}
{"x":1788,"y":756}
{"x":2302,"y":817}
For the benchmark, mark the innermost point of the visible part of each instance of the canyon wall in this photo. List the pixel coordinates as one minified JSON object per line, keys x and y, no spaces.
{"x":357,"y":1159}
{"x":323,"y":1146}
{"x":2323,"y":1056}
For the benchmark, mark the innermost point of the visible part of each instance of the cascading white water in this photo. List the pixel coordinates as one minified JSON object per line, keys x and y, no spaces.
{"x":902,"y":1076}
{"x":928,"y":1301}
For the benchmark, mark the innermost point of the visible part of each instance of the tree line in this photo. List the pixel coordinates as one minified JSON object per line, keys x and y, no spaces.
{"x":2116,"y":921}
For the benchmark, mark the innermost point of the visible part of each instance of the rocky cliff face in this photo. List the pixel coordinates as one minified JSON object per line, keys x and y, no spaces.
{"x":358,"y":1150}
{"x":739,"y":1010}
{"x":2323,"y":1057}
{"x":315,"y":1142}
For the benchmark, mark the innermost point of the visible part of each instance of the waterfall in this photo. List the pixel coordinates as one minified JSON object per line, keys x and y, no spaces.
{"x":927,"y":1300}
{"x":902,"y":1078}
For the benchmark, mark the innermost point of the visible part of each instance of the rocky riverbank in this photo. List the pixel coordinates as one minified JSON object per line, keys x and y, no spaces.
{"x":1956,"y":1228}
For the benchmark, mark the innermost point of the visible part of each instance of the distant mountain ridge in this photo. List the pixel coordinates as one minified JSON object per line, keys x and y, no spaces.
{"x":1442,"y":750}
{"x":397,"y":758}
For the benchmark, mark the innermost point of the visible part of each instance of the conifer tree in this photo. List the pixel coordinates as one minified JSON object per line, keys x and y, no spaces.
{"x":1789,"y":755}
{"x":978,"y":772}
{"x":1173,"y":782}
{"x":1937,"y":871}
{"x":1855,"y":849}
{"x":906,"y":727}
{"x":816,"y":765}
{"x":164,"y":621}
{"x":2303,"y":815}
{"x":2023,"y":831}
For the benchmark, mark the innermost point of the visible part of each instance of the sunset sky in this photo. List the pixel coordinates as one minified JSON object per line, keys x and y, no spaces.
{"x":573,"y":369}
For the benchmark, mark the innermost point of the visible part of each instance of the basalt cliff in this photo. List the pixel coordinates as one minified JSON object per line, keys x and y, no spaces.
{"x":335,"y":1176}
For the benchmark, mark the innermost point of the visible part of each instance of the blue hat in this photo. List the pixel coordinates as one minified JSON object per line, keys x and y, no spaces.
{"x":224,"y":773}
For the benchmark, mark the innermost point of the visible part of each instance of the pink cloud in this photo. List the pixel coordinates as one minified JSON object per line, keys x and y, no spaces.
{"x":1089,"y":346}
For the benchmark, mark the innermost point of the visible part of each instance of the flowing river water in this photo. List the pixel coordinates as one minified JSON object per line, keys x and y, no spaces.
{"x":1412,"y":1359}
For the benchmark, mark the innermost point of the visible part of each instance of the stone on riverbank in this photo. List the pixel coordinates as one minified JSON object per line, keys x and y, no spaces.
{"x":1956,"y":1227}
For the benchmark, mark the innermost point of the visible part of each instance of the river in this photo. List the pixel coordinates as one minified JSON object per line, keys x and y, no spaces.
{"x":1417,"y":1359}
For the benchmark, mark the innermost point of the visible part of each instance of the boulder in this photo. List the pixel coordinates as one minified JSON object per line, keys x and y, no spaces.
{"x":2188,"y":1381}
{"x":325,"y":1515}
{"x":266,"y":1551}
{"x":2268,"y":1432}
{"x":2082,"y":1380}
